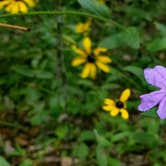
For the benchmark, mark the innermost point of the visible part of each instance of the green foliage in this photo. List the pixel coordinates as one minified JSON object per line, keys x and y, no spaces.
{"x":81,"y":151}
{"x":128,"y":37}
{"x":101,"y":141}
{"x":26,"y":162}
{"x":114,"y":162}
{"x":137,"y":71}
{"x":95,"y":7}
{"x":49,"y":113}
{"x":157,"y":44}
{"x":101,"y":156}
{"x":3,"y":162}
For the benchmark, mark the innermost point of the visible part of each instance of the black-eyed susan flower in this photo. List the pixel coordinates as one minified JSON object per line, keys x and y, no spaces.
{"x":16,"y":6}
{"x":83,"y":27}
{"x":92,"y":59}
{"x":116,"y":107}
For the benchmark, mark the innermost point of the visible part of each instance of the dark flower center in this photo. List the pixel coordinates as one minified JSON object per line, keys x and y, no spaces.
{"x":119,"y":104}
{"x":91,"y":58}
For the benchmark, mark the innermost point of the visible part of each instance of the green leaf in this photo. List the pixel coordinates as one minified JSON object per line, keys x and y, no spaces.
{"x":95,"y":7}
{"x":157,"y":44}
{"x":137,"y":71}
{"x":111,"y":42}
{"x":101,"y":140}
{"x":151,"y":113}
{"x":147,"y":139}
{"x":157,"y":164}
{"x":24,"y":71}
{"x":61,"y":131}
{"x":120,"y":136}
{"x":161,"y":28}
{"x":101,"y":156}
{"x":43,"y":75}
{"x":114,"y":162}
{"x":26,"y":162}
{"x":137,"y":13}
{"x":3,"y":161}
{"x":39,"y":117}
{"x":81,"y":151}
{"x":33,"y":73}
{"x":86,"y":136}
{"x":129,"y":37}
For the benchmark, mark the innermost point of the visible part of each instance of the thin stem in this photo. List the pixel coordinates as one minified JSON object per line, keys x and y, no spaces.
{"x":67,"y":12}
{"x":10,"y":124}
{"x":59,"y":47}
{"x":3,"y":25}
{"x":69,"y":40}
{"x":64,"y":12}
{"x":60,"y":57}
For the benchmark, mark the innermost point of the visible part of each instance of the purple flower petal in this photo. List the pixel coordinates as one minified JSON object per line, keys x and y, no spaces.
{"x":151,"y":99}
{"x":156,"y":76}
{"x":162,"y":109}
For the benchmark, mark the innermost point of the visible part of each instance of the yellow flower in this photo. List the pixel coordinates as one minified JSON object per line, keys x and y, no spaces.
{"x":92,"y":59}
{"x":83,"y":27}
{"x":119,"y":106}
{"x":16,"y":6}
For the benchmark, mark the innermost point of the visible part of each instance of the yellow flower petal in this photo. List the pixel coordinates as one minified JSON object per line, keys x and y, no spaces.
{"x":102,"y":66}
{"x":23,"y":8}
{"x":114,"y":111}
{"x":78,"y":61}
{"x":4,"y":3}
{"x":104,"y":59}
{"x":15,"y":8}
{"x":125,"y":95}
{"x":110,"y":102}
{"x":99,"y":50}
{"x":124,"y":113}
{"x":86,"y":70}
{"x":79,"y":51}
{"x":107,"y":108}
{"x":93,"y":71}
{"x":79,"y":28}
{"x":87,"y":44}
{"x":9,"y":7}
{"x":83,"y":27}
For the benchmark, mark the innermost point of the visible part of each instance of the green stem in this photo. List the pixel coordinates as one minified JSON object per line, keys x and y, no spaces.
{"x":67,"y":12}
{"x":10,"y":124}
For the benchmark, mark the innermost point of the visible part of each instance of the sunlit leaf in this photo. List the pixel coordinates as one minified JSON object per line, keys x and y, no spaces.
{"x":95,"y":7}
{"x":157,"y":44}
{"x":3,"y":161}
{"x":129,"y":38}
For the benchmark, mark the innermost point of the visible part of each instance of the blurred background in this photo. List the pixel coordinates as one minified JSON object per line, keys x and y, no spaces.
{"x":50,"y":116}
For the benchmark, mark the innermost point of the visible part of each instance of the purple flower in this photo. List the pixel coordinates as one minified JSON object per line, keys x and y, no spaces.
{"x":157,"y":77}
